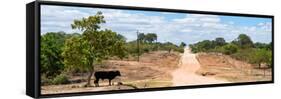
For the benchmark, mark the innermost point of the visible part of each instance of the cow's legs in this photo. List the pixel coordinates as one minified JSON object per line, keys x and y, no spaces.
{"x":109,"y":82}
{"x":96,"y":82}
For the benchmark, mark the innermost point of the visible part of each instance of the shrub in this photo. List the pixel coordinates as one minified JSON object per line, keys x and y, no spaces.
{"x":51,"y":48}
{"x":45,"y":80}
{"x":229,"y":49}
{"x":244,"y":54}
{"x":60,"y":79}
{"x":260,"y":56}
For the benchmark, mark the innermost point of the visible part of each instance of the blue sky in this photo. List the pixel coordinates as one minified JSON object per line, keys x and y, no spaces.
{"x":172,"y":27}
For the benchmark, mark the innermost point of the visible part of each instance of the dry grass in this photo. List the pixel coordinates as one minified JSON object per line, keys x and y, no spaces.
{"x":153,"y":70}
{"x":225,"y":67}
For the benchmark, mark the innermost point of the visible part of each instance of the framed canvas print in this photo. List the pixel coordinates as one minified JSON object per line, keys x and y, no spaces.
{"x":85,"y":49}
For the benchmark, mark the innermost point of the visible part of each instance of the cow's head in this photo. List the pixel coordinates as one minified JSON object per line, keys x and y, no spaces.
{"x":117,"y":73}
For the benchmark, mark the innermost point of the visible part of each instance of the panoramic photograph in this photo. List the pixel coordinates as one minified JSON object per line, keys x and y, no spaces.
{"x":85,"y":49}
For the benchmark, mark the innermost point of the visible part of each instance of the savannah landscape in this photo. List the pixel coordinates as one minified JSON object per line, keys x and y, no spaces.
{"x":85,"y":62}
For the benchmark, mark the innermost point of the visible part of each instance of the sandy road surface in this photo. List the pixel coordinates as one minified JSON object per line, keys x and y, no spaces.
{"x":185,"y":74}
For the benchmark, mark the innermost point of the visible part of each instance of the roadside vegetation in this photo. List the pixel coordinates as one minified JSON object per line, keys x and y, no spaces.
{"x":242,"y":48}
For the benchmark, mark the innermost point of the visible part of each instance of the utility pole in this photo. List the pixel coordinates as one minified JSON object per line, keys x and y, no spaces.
{"x":138,"y":45}
{"x":157,"y":47}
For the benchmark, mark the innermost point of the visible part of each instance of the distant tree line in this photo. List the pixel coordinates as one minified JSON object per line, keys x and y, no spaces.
{"x":148,"y":42}
{"x":241,"y":48}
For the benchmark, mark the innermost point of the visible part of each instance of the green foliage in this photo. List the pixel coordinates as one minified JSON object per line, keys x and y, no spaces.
{"x":218,"y":45}
{"x":241,"y":48}
{"x":203,"y":46}
{"x":260,"y":56}
{"x":51,"y":48}
{"x":168,"y":46}
{"x":263,"y":45}
{"x":244,"y":54}
{"x":45,"y":80}
{"x":91,"y":23}
{"x":82,"y":48}
{"x":93,"y":46}
{"x":255,"y":56}
{"x":114,"y":44}
{"x":132,"y":48}
{"x":182,"y":44}
{"x":60,"y":79}
{"x":141,"y":37}
{"x":150,"y":37}
{"x":219,"y":41}
{"x":243,"y":41}
{"x":146,"y":47}
{"x":75,"y":54}
{"x":229,"y":49}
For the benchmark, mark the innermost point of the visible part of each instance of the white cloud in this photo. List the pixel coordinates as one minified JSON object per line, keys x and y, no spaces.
{"x":190,"y":29}
{"x":266,"y":26}
{"x":186,"y":30}
{"x":56,"y":18}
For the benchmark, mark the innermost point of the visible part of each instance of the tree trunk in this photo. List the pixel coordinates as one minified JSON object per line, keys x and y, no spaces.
{"x":264,"y":72}
{"x":89,"y":78}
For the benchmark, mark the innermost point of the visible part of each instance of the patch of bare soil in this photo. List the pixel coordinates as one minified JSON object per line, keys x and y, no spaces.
{"x":224,"y":67}
{"x":153,"y":70}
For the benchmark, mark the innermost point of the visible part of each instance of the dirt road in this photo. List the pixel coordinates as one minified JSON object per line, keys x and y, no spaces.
{"x":185,"y":74}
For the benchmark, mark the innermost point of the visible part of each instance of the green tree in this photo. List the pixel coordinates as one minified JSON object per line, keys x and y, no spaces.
{"x":150,"y":37}
{"x":117,"y":44}
{"x":260,"y":45}
{"x":204,"y":45}
{"x":259,"y":56}
{"x":229,"y":49}
{"x":141,"y":37}
{"x":51,"y":48}
{"x":93,"y":46}
{"x":169,"y":46}
{"x":182,"y":44}
{"x":270,"y":45}
{"x":92,"y":23}
{"x":244,"y":41}
{"x":74,"y":55}
{"x":263,"y":45}
{"x":219,"y":41}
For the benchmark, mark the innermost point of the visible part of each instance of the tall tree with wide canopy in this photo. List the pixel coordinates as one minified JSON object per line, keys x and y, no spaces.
{"x":150,"y":37}
{"x":244,"y":41}
{"x":219,"y":41}
{"x":93,"y":46}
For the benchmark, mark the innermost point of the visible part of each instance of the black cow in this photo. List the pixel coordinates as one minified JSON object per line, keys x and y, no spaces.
{"x":105,"y":75}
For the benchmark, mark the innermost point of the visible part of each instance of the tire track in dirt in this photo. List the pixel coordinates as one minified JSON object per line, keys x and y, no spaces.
{"x":186,"y":73}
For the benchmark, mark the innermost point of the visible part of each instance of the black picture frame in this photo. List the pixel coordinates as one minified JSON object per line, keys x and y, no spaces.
{"x":33,"y":81}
